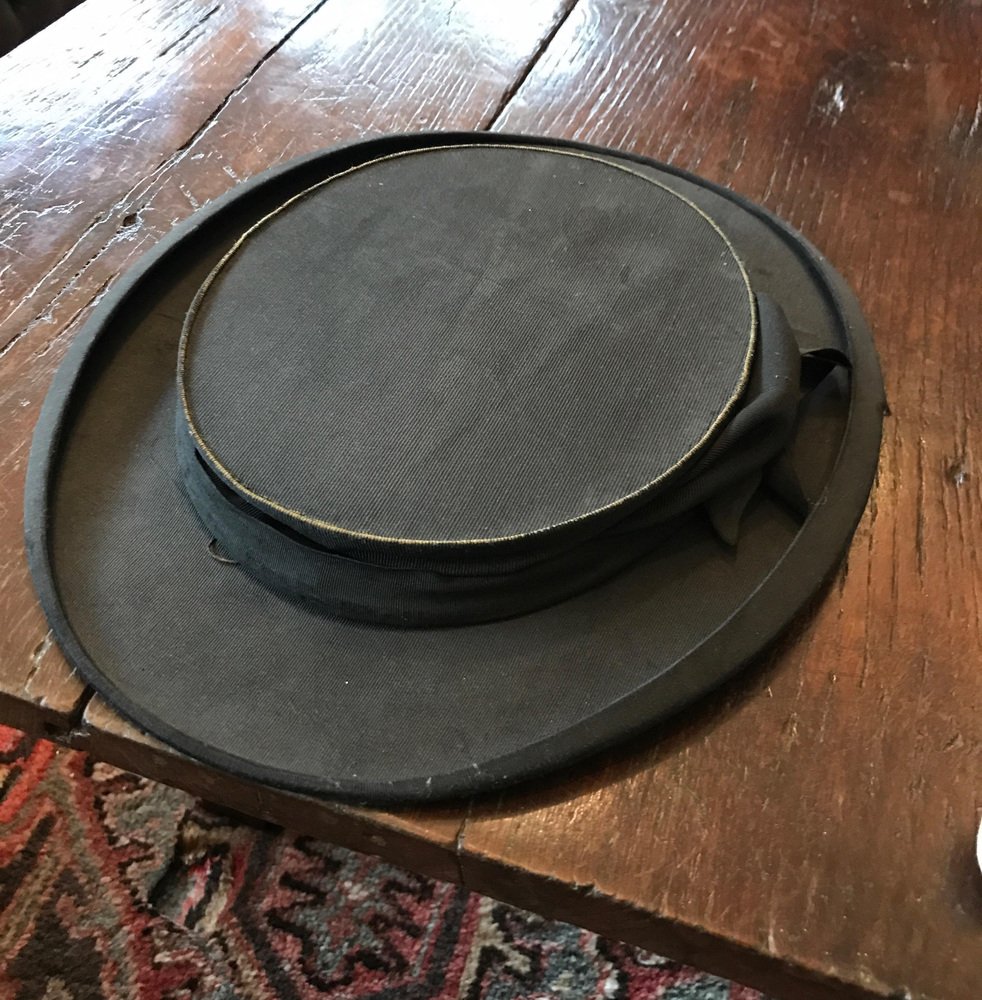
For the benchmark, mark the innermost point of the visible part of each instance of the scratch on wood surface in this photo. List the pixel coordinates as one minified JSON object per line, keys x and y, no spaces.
{"x":790,"y":730}
{"x":771,"y":939}
{"x":871,"y":564}
{"x":965,"y":134}
{"x":919,"y":511}
{"x":67,"y":325}
{"x":39,"y":284}
{"x":957,"y":472}
{"x":38,"y":654}
{"x":831,"y":99}
{"x":42,"y":647}
{"x":190,"y":31}
{"x":77,"y":315}
{"x":459,"y":841}
{"x":522,"y":76}
{"x":123,"y":204}
{"x":210,"y":120}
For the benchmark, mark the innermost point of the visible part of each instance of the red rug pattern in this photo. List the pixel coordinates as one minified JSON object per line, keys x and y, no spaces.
{"x":113,"y":887}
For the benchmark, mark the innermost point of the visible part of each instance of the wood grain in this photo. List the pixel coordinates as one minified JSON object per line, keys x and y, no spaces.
{"x":810,"y":831}
{"x":824,"y":815}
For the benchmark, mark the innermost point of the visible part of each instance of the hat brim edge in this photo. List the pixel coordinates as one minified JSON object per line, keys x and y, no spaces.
{"x":762,"y":616}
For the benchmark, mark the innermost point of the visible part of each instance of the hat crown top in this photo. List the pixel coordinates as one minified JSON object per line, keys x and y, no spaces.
{"x":467,"y":344}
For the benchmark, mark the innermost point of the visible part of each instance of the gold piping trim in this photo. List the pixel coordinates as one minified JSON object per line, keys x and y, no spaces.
{"x":366,"y":535}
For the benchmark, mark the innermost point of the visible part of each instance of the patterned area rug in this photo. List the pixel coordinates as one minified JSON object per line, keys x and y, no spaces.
{"x":113,"y":887}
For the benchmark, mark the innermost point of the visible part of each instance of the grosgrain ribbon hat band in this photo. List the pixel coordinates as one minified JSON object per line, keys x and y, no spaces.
{"x":407,"y":583}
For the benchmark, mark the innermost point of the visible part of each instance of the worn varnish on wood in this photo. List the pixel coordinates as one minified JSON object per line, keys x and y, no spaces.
{"x":811,"y":830}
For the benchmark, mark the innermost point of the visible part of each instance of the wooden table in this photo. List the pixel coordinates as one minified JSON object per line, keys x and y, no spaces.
{"x":810,"y":831}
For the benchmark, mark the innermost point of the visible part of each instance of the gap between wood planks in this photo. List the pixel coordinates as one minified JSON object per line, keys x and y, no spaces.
{"x":512,"y":90}
{"x":168,"y":161}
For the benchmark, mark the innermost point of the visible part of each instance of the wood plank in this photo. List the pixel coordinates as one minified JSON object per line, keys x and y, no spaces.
{"x":422,"y":841}
{"x":822,"y":814}
{"x":94,"y":105}
{"x":861,"y":126}
{"x":118,"y":123}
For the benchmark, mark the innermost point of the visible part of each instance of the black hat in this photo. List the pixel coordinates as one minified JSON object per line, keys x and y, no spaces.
{"x":427,"y":464}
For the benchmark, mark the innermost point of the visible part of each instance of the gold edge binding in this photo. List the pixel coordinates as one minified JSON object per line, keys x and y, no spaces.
{"x":273,"y":505}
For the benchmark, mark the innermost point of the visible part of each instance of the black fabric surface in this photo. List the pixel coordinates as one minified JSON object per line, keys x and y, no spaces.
{"x":202,"y":655}
{"x":475,"y":327}
{"x":409,"y":585}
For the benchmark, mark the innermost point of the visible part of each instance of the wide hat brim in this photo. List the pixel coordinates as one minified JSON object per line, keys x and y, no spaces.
{"x":244,"y":679}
